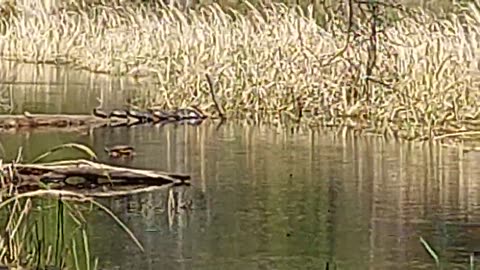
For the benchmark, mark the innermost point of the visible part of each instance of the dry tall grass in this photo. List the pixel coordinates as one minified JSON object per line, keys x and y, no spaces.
{"x":269,"y":61}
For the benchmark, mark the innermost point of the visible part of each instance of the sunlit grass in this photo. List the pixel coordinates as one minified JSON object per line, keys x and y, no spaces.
{"x":273,"y":61}
{"x":430,"y":251}
{"x":48,"y":228}
{"x":39,"y":234}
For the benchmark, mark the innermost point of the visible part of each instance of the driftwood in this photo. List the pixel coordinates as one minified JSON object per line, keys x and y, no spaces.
{"x":93,"y":178}
{"x":69,"y":121}
{"x":48,"y":120}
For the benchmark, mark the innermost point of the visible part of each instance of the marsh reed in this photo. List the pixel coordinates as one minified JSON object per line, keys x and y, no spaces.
{"x":47,"y":228}
{"x":398,"y":73}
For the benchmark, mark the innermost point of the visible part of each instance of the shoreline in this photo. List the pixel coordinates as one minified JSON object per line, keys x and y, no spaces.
{"x":275,"y":64}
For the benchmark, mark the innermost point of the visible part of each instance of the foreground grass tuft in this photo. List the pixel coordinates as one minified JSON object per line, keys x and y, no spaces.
{"x":47,"y":228}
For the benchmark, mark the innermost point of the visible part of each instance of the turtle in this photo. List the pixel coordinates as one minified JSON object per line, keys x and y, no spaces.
{"x":192,"y":112}
{"x":119,"y":113}
{"x":120,"y":151}
{"x":160,"y":115}
{"x":141,"y":116}
{"x":98,"y":112}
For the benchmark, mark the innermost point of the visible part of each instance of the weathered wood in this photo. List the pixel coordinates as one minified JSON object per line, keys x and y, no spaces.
{"x":48,"y":120}
{"x":93,"y":175}
{"x":68,"y":121}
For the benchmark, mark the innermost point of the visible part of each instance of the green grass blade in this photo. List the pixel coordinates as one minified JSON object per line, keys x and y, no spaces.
{"x":85,"y":246}
{"x":82,"y":148}
{"x":430,"y":250}
{"x":75,"y":255}
{"x":472,"y":261}
{"x":122,"y":225}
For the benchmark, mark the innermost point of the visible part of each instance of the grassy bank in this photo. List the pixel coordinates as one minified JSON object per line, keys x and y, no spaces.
{"x":415,"y":76}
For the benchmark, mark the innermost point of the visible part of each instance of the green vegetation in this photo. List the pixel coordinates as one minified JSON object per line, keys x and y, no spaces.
{"x":47,"y":228}
{"x":440,"y":264}
{"x":41,"y":233}
{"x":378,"y":68}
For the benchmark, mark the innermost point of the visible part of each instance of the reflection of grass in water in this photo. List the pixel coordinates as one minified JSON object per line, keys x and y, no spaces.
{"x":41,"y":232}
{"x":275,"y":62}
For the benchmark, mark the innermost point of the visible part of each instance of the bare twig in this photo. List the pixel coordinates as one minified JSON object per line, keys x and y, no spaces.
{"x":372,"y":47}
{"x":347,"y":42}
{"x":212,"y":93}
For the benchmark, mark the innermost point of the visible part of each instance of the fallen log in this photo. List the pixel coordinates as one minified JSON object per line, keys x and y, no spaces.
{"x":69,"y":121}
{"x":87,"y":177}
{"x":48,"y":120}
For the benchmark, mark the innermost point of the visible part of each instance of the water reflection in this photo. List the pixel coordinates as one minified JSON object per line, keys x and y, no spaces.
{"x":57,"y":89}
{"x":266,"y":199}
{"x":263,"y":198}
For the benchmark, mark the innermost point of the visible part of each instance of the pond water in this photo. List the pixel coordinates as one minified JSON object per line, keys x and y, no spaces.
{"x":263,"y":197}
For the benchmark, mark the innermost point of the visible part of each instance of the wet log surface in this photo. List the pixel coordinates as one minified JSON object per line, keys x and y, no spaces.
{"x":48,"y":120}
{"x":88,"y":177}
{"x":68,"y":121}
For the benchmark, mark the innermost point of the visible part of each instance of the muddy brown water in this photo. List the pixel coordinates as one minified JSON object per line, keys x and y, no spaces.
{"x":264,"y":198}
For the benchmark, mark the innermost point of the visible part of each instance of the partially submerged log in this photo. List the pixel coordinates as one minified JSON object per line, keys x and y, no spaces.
{"x":87,"y":177}
{"x":48,"y":120}
{"x":28,"y":120}
{"x":153,"y":115}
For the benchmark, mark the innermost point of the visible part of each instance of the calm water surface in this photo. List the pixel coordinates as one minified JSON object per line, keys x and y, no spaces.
{"x":264,"y":198}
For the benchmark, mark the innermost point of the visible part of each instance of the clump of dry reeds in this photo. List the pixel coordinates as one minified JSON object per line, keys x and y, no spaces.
{"x":415,"y":77}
